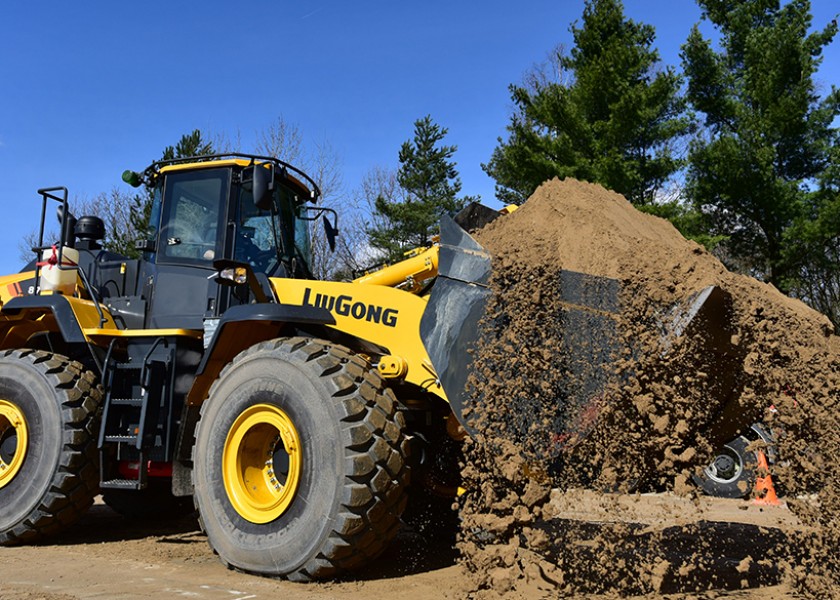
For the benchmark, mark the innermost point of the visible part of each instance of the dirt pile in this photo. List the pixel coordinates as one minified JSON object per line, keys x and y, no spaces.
{"x":617,"y":356}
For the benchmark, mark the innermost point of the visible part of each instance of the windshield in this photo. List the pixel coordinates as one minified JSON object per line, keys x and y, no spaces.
{"x":265,"y":238}
{"x":302,"y":240}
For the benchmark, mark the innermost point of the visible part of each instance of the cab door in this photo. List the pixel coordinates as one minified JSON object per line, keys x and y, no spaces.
{"x":190,"y":236}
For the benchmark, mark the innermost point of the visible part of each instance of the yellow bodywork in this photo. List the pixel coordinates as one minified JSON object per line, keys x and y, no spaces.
{"x":383,"y":316}
{"x":16,"y":329}
{"x":12,"y":285}
{"x":94,"y":331}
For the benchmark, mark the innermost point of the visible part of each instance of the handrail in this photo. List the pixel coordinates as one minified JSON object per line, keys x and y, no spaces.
{"x":47,"y":195}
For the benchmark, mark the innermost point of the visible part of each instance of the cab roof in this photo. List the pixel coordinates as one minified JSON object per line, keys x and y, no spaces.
{"x":294,"y":177}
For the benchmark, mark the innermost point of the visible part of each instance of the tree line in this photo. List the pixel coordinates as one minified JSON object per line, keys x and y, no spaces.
{"x":737,"y":148}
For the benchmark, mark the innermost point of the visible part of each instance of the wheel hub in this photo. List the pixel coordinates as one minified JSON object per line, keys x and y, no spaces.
{"x":14,"y":439}
{"x":726,"y":467}
{"x":261,"y":463}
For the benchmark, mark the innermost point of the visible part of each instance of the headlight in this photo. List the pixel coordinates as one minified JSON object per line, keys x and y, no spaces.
{"x":238,"y":275}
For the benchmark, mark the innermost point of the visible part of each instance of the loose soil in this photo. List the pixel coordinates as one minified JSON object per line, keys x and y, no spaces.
{"x":107,"y":556}
{"x":633,"y":394}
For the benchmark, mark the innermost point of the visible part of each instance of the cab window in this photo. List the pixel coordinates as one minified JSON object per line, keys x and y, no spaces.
{"x":255,"y":235}
{"x":267,"y":241}
{"x":192,"y":216}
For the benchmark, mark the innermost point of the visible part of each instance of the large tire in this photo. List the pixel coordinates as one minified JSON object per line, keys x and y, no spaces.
{"x":51,"y":407}
{"x":342,"y":461}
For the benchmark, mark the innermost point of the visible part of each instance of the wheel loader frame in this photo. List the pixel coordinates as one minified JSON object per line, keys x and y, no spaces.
{"x":160,"y":336}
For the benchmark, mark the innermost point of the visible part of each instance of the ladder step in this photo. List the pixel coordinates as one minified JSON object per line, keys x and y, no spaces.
{"x":127,"y":402}
{"x":139,"y":393}
{"x":121,"y":438}
{"x":128,"y":366}
{"x":122,"y":484}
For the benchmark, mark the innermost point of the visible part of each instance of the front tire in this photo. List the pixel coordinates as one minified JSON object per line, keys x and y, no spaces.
{"x":300,"y":461}
{"x":49,"y":416}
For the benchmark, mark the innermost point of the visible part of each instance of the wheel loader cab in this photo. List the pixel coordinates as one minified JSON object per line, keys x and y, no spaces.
{"x":204,"y":212}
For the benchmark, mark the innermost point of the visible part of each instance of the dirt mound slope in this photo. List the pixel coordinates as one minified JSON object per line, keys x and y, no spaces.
{"x":617,"y":356}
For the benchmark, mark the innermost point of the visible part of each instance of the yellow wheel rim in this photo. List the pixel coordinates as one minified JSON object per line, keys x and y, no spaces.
{"x":261,"y":463}
{"x":14,"y":439}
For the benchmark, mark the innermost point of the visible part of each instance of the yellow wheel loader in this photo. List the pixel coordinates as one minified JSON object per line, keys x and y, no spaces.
{"x":291,"y":410}
{"x":298,"y":414}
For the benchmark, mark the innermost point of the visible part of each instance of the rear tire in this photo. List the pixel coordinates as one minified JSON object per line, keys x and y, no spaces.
{"x":332,"y":501}
{"x":56,"y":474}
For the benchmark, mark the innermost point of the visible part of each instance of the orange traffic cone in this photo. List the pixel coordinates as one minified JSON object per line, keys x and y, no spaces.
{"x":765,"y":492}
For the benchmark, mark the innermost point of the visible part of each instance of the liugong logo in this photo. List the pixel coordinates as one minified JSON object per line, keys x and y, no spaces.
{"x":345,"y":306}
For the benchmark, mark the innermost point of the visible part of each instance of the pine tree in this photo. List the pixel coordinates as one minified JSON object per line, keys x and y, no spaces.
{"x":431,"y":185}
{"x":812,"y":245}
{"x":190,"y":144}
{"x":769,"y":135}
{"x":608,"y":114}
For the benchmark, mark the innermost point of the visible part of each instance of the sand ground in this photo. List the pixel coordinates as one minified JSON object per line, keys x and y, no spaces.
{"x":106,"y":556}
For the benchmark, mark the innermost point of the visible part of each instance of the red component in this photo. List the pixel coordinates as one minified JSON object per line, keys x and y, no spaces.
{"x":130,"y":469}
{"x":51,"y":261}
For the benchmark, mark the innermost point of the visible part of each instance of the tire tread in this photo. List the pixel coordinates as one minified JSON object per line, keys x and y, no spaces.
{"x":76,"y":480}
{"x":375,"y":447}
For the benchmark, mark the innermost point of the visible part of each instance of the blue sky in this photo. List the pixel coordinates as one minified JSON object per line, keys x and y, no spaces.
{"x":88,"y":89}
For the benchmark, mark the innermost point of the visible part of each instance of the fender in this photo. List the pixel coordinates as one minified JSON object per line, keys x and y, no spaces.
{"x":243,"y":326}
{"x":64,"y":320}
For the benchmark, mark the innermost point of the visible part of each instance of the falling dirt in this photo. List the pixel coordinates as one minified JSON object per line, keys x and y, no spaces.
{"x":613,"y":381}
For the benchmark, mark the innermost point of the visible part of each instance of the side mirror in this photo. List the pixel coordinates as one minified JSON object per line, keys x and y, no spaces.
{"x":331,"y":231}
{"x":263,"y":186}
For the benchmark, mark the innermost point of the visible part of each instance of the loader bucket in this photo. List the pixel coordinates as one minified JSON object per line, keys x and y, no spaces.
{"x":591,"y":339}
{"x":450,"y":326}
{"x":703,"y":325}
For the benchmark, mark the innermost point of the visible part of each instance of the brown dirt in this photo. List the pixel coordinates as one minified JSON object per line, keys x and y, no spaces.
{"x":106,"y":556}
{"x":661,"y":405}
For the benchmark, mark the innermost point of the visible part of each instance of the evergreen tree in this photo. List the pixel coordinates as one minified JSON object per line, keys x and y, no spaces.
{"x":769,"y":135}
{"x":812,"y":245}
{"x":190,"y":144}
{"x":431,"y":185}
{"x":610,"y":114}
